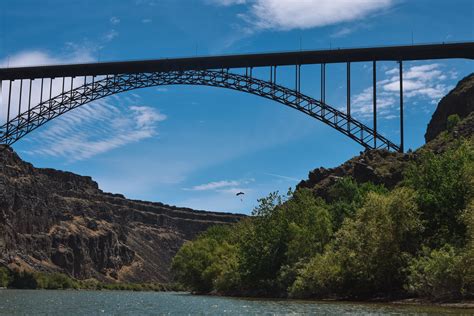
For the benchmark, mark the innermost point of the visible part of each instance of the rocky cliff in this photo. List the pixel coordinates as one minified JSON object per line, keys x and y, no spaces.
{"x":58,"y":221}
{"x":459,"y":101}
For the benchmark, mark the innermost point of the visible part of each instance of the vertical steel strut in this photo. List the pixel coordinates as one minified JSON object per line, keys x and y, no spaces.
{"x":401,"y":107}
{"x":8,"y":110}
{"x":374,"y":75}
{"x":348,"y":109}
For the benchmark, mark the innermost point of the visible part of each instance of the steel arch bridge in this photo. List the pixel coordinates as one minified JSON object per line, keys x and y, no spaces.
{"x":37,"y":116}
{"x":100,"y":80}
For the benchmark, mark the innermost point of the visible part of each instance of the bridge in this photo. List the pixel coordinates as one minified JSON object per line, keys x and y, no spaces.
{"x":62,"y":88}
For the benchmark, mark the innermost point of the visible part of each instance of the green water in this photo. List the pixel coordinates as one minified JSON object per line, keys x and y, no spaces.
{"x":36,"y":302}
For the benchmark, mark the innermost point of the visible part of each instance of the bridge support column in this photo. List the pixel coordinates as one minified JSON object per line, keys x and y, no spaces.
{"x":348,"y":110}
{"x":41,"y":93}
{"x":19,"y":99}
{"x":374,"y":76}
{"x":401,"y":107}
{"x":298,"y":83}
{"x":323,"y":83}
{"x":29,"y":101}
{"x":8,"y":106}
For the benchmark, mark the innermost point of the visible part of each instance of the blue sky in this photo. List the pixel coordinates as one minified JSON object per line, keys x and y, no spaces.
{"x":198,"y":146}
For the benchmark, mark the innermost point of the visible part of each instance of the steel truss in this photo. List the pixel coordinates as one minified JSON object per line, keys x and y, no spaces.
{"x":104,"y":86}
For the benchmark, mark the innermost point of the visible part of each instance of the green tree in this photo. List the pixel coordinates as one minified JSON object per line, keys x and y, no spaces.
{"x":437,"y":274}
{"x":309,"y":226}
{"x":366,"y":256}
{"x":346,"y":196}
{"x":262,"y":245}
{"x":444,"y":183}
{"x":196,"y":263}
{"x":5,"y":277}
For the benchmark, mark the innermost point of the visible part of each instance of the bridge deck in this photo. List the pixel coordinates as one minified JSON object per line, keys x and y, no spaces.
{"x":393,"y":53}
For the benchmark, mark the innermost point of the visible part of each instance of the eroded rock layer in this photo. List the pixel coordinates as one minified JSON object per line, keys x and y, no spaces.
{"x":59,"y":221}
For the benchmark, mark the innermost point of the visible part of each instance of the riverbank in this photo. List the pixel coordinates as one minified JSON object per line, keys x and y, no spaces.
{"x":58,"y":281}
{"x":467,"y":304}
{"x":461,"y":304}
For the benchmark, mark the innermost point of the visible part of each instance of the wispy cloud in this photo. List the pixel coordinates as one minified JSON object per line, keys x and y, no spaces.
{"x":215,"y":185}
{"x":73,"y":53}
{"x":304,"y":14}
{"x":224,"y":186}
{"x":427,"y":82}
{"x":91,"y":129}
{"x":95,"y":128}
{"x":114,"y":20}
{"x":279,"y":176}
{"x":110,"y":35}
{"x":227,"y":2}
{"x":342,"y":32}
{"x":147,"y":21}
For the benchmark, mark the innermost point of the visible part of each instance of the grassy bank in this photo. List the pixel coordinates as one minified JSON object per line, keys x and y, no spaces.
{"x":60,"y":281}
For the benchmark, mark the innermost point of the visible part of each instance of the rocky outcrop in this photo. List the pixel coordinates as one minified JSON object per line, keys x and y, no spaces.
{"x":459,"y":101}
{"x":376,"y":166}
{"x":59,"y":221}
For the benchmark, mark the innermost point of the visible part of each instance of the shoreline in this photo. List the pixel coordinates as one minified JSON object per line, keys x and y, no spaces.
{"x":462,"y":304}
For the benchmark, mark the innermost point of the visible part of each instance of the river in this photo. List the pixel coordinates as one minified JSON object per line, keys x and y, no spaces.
{"x":37,"y":302}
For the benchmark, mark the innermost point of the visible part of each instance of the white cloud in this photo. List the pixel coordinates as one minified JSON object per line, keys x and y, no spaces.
{"x":227,"y":2}
{"x":286,"y":178}
{"x":84,"y":132}
{"x":305,"y":14}
{"x":146,"y":21}
{"x":74,"y":54}
{"x":224,"y":186}
{"x":95,"y":128}
{"x":342,"y":32}
{"x":114,"y":20}
{"x":215,"y":185}
{"x":427,"y":82}
{"x":146,"y":116}
{"x":110,"y":35}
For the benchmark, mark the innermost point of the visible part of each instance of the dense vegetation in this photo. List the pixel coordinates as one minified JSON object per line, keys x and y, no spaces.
{"x":60,"y":281}
{"x":362,"y":241}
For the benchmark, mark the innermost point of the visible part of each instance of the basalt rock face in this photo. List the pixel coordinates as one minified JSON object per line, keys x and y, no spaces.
{"x":459,"y":101}
{"x":376,"y":166}
{"x":58,"y":221}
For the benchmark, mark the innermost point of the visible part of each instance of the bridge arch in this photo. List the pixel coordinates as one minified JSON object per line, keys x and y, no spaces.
{"x":47,"y":110}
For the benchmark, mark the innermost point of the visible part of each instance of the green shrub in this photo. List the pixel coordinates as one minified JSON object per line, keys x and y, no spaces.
{"x":437,"y":274}
{"x":452,"y":121}
{"x":5,"y":277}
{"x":320,"y":277}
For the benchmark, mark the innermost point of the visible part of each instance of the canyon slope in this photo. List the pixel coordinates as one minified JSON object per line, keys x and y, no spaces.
{"x":55,"y":221}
